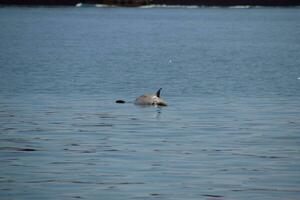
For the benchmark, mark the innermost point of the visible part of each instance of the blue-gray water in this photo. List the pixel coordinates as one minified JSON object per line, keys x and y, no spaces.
{"x":231,"y":78}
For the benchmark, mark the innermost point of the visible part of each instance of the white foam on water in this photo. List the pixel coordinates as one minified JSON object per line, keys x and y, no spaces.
{"x":168,"y":6}
{"x":241,"y":7}
{"x":103,"y":6}
{"x":78,"y":5}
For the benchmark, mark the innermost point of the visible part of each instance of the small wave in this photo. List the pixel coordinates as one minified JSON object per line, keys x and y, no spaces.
{"x":104,"y":6}
{"x":16,"y":149}
{"x":144,"y":6}
{"x":241,"y":7}
{"x":84,"y":182}
{"x":168,"y":6}
{"x":155,"y":194}
{"x":79,"y":5}
{"x":171,"y":6}
{"x":259,"y":156}
{"x":212,"y":195}
{"x":268,"y":189}
{"x":93,"y":125}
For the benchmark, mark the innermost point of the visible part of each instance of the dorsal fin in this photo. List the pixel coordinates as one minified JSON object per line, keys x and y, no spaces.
{"x":158,"y":92}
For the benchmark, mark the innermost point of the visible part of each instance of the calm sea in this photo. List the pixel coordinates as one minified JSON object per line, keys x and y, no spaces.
{"x":231,"y":77}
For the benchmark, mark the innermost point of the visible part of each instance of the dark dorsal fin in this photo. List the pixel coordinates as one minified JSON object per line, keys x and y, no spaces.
{"x":158,"y":92}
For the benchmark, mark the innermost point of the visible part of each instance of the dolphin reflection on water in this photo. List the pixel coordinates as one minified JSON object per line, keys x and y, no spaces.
{"x":148,"y":99}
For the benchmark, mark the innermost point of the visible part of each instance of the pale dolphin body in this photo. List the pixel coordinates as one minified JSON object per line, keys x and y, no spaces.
{"x":151,"y":99}
{"x":148,"y":99}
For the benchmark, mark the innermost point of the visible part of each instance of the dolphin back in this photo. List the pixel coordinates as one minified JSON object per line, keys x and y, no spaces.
{"x":150,"y":99}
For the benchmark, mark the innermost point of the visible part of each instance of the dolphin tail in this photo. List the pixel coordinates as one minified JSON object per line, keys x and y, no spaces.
{"x":158,"y":92}
{"x":120,"y":101}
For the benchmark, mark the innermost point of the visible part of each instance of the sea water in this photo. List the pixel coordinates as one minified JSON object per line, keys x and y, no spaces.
{"x":230,"y":77}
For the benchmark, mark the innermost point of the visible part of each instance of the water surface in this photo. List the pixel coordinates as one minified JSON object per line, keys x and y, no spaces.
{"x":231,"y":77}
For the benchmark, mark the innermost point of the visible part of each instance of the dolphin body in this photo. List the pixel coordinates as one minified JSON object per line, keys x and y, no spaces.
{"x":151,"y":99}
{"x":148,"y":99}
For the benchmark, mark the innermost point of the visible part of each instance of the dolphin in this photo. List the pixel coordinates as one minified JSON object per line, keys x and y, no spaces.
{"x":151,"y":99}
{"x":148,"y":99}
